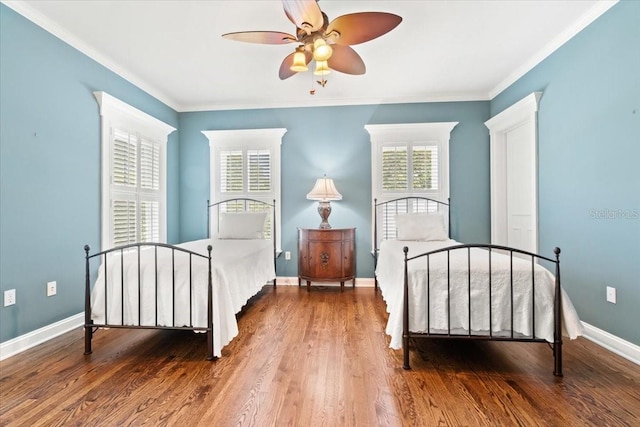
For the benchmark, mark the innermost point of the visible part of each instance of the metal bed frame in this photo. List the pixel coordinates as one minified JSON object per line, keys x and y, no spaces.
{"x":408,"y":335}
{"x":241,"y":204}
{"x":91,"y":327}
{"x":401,"y":205}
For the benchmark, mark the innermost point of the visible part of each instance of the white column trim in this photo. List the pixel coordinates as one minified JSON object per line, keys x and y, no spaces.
{"x":411,"y":132}
{"x":249,"y":138}
{"x":519,"y":113}
{"x":114,"y":112}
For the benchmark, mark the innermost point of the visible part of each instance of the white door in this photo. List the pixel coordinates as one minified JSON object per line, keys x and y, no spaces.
{"x":520,"y":177}
{"x":514,"y":168}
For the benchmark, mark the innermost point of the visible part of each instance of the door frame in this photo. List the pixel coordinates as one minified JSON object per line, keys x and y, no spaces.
{"x":520,"y":113}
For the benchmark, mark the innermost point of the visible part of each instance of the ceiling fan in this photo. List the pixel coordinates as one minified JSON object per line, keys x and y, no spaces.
{"x":328,"y":43}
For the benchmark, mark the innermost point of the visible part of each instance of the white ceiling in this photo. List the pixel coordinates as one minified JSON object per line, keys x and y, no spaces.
{"x":442,"y":51}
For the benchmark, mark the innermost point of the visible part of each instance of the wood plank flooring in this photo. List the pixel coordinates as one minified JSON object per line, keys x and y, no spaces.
{"x":318,"y":358}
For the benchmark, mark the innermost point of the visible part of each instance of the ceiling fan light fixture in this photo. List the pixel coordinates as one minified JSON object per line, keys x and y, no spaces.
{"x":299,"y":61}
{"x":322,"y":68}
{"x":321,"y":50}
{"x":321,"y":40}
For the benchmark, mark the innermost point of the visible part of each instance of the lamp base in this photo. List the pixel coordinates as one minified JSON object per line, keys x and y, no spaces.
{"x":324,"y":209}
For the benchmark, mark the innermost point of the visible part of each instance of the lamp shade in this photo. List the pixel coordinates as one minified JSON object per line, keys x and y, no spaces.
{"x":299,"y":61}
{"x":321,"y":50}
{"x":324,"y":191}
{"x":322,"y":68}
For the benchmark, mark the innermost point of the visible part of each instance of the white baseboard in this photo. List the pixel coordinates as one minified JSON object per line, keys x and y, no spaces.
{"x":612,"y":343}
{"x":33,"y":338}
{"x":287,"y":281}
{"x":360,"y":283}
{"x":24,"y":342}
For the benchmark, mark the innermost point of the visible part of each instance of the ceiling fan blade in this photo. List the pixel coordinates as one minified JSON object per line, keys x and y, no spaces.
{"x":285,"y":68}
{"x":305,"y":14}
{"x":346,"y":60}
{"x":262,"y":37}
{"x":355,"y":28}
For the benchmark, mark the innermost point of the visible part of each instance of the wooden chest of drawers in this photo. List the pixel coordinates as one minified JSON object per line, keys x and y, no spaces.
{"x":326,"y":255}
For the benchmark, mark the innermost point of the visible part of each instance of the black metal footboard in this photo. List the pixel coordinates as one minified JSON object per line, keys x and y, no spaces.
{"x":463,"y":279}
{"x":130,"y":256}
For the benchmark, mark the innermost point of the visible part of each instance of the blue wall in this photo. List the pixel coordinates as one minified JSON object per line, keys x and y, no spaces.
{"x":589,"y":152}
{"x":333,"y":140}
{"x":50,"y":169}
{"x":588,"y":122}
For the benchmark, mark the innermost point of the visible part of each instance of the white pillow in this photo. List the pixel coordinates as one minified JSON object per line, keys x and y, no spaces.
{"x":245,"y":225}
{"x":420,"y":226}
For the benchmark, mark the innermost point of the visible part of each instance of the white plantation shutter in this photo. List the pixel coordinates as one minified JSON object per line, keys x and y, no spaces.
{"x":124,"y":158}
{"x":245,"y":163}
{"x":124,"y":222}
{"x":245,"y":172}
{"x":231,"y":171}
{"x":409,"y":168}
{"x":410,"y":159}
{"x":259,"y":171}
{"x":136,"y":188}
{"x":388,"y":220}
{"x":395,"y":165}
{"x":133,"y":190}
{"x":149,"y":164}
{"x":424,"y":167}
{"x":149,"y":221}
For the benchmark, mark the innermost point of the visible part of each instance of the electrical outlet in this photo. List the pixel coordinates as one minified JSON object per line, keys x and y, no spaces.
{"x":611,"y":294}
{"x":52,"y":288}
{"x":9,"y":297}
{"x":287,"y":255}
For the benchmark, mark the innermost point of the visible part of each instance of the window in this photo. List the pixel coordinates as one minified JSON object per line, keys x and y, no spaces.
{"x":246,"y":172}
{"x":246,"y":163}
{"x":410,"y":160}
{"x":398,"y":160}
{"x":133,"y":174}
{"x":135,"y":188}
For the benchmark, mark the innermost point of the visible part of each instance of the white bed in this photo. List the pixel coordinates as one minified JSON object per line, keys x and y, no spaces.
{"x":441,"y":288}
{"x":390,"y":276}
{"x":161,"y":286}
{"x":240,"y":268}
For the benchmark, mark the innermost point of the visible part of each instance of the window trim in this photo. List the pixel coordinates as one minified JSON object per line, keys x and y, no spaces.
{"x":115,"y":113}
{"x":411,"y":134}
{"x":248,"y":139}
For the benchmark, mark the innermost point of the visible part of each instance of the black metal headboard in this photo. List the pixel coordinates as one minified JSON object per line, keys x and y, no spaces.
{"x":384,"y":226}
{"x":242,"y":204}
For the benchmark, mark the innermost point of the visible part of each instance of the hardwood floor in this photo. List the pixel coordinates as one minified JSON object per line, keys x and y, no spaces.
{"x":310,"y":359}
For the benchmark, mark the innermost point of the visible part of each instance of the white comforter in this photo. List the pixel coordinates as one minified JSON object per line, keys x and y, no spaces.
{"x":240,"y":268}
{"x":390,"y":275}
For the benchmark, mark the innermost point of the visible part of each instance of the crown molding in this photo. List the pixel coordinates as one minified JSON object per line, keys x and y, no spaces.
{"x":517,"y":113}
{"x":56,"y":30}
{"x":336,"y":102}
{"x":596,"y":11}
{"x":52,"y":27}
